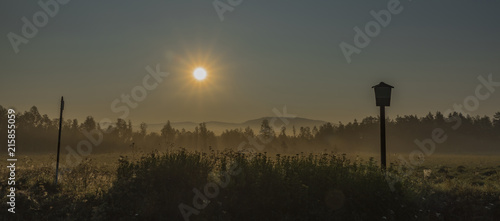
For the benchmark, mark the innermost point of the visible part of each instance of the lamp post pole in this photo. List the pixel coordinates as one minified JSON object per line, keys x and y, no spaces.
{"x":382,"y":137}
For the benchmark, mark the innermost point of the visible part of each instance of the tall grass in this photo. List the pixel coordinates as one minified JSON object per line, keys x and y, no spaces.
{"x":280,"y":188}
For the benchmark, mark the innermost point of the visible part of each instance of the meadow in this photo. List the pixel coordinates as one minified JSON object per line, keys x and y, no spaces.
{"x":226,"y":185}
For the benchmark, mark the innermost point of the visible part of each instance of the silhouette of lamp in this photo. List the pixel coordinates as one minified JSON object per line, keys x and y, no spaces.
{"x":383,"y":99}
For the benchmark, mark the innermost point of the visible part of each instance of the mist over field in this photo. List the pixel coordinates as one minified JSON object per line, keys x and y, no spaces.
{"x":433,"y":133}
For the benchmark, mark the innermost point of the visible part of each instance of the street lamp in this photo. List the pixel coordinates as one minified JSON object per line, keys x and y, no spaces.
{"x":383,"y":99}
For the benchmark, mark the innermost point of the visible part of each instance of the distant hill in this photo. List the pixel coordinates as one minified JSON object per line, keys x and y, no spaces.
{"x":218,"y":127}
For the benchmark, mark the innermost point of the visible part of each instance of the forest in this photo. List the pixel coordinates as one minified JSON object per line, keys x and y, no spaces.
{"x":465,"y":134}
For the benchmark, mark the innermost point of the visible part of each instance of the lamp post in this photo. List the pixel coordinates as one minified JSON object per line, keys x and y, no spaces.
{"x":383,"y":99}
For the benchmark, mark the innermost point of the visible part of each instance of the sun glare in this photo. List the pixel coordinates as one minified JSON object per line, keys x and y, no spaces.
{"x":200,"y":74}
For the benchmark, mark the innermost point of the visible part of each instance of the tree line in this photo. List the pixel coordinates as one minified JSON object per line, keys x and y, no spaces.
{"x":37,"y":133}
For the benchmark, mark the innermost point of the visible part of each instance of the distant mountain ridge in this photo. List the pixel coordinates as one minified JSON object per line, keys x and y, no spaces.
{"x":218,"y":127}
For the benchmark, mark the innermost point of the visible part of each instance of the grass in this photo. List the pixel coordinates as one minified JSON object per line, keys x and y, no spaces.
{"x":259,"y":187}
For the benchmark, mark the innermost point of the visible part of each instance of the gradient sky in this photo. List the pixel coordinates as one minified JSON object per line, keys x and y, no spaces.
{"x":264,"y":55}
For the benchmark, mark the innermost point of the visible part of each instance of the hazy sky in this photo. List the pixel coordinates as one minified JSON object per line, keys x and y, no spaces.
{"x":264,"y":55}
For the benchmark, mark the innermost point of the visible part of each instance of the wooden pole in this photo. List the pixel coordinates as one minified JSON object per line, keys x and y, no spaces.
{"x":382,"y":137}
{"x":59,"y":138}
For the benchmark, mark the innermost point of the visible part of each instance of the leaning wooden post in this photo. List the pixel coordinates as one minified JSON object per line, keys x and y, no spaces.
{"x":59,"y":138}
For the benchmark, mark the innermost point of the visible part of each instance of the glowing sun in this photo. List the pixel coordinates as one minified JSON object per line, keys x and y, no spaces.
{"x":200,"y":74}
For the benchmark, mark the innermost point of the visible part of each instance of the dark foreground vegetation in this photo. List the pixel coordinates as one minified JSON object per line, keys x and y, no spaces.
{"x":234,"y":186}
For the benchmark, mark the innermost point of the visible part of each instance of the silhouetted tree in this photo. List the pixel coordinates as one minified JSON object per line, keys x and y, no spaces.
{"x":266,"y":132}
{"x":89,"y":124}
{"x":314,"y":131}
{"x":249,"y":132}
{"x":305,"y":133}
{"x":325,"y":132}
{"x":168,"y":134}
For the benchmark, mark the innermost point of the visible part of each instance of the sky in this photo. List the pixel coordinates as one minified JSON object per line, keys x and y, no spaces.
{"x":263,"y":55}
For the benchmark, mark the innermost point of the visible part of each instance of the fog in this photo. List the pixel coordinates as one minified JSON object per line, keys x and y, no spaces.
{"x":430,"y":134}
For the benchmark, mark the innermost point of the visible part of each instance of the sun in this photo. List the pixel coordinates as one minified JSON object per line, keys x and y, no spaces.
{"x":200,"y":74}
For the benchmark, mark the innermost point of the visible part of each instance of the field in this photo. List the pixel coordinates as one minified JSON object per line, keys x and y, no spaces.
{"x":184,"y":185}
